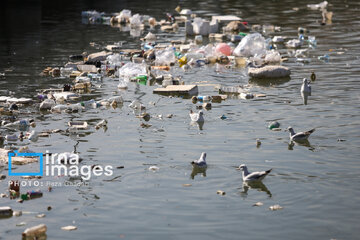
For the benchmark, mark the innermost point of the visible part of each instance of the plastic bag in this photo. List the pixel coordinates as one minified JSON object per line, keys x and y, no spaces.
{"x":272,"y":56}
{"x":135,"y":21}
{"x":251,"y":45}
{"x":131,"y":69}
{"x":125,"y":15}
{"x":165,"y":57}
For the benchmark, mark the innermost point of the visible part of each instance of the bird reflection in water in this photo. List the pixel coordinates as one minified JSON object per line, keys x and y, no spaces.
{"x":304,"y":143}
{"x":198,"y":124}
{"x":257,"y":185}
{"x":198,"y":170}
{"x":305,"y":97}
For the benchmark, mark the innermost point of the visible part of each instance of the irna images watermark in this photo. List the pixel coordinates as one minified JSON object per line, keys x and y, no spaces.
{"x":63,"y":164}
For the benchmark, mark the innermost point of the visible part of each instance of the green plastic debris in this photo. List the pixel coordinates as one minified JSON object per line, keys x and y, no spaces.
{"x":274,"y":124}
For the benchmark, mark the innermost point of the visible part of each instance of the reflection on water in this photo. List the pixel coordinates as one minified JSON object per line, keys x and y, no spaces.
{"x":268,"y":82}
{"x":305,"y":96}
{"x":304,"y":143}
{"x":197,"y":124}
{"x":198,"y":170}
{"x":255,"y":185}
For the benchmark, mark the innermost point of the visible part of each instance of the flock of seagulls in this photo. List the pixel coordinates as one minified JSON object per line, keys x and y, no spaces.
{"x":260,"y":175}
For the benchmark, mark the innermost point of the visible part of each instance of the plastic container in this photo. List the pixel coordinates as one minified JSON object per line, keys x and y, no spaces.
{"x":6,"y":212}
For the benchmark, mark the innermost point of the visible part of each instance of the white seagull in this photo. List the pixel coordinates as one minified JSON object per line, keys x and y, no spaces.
{"x":197,"y":117}
{"x":305,"y":87}
{"x":254,"y":176}
{"x":201,"y":162}
{"x":301,"y":136}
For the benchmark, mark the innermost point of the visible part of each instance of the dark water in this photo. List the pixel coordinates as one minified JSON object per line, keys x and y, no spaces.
{"x":317,"y":184}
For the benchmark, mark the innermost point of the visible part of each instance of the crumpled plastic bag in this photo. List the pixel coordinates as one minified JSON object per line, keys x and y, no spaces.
{"x":115,"y":59}
{"x":251,"y":45}
{"x":165,"y":57}
{"x":131,"y":69}
{"x":125,"y":15}
{"x":272,"y":56}
{"x":135,"y":21}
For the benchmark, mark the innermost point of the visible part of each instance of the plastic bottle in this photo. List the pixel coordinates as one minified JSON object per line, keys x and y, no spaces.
{"x":88,"y":103}
{"x":35,"y":231}
{"x":204,"y":98}
{"x":34,"y":194}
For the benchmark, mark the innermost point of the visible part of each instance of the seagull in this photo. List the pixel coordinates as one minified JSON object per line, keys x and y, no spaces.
{"x":197,"y":117}
{"x":305,"y":87}
{"x":301,"y":136}
{"x":201,"y":162}
{"x":254,"y":176}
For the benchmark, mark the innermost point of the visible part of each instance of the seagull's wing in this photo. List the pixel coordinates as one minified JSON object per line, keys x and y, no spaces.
{"x":257,"y":175}
{"x":309,"y":132}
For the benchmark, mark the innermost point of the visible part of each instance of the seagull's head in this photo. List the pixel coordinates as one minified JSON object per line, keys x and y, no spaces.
{"x":290,"y":129}
{"x":305,"y":80}
{"x":242,"y":167}
{"x":201,"y":113}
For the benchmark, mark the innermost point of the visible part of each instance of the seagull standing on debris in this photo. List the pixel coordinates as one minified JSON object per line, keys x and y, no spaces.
{"x":301,"y":136}
{"x":197,"y":117}
{"x":201,"y":162}
{"x":305,"y":87}
{"x":254,"y":176}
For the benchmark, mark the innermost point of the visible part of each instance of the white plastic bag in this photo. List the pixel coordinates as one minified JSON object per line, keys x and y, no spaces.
{"x":251,"y":45}
{"x":165,"y":57}
{"x":131,"y":69}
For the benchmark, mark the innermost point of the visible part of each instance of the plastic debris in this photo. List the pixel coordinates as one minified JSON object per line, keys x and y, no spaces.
{"x":275,"y":207}
{"x":251,"y":45}
{"x":6,"y":212}
{"x":220,"y":192}
{"x":35,"y":232}
{"x":69,"y":228}
{"x":154,"y":168}
{"x":273,"y":125}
